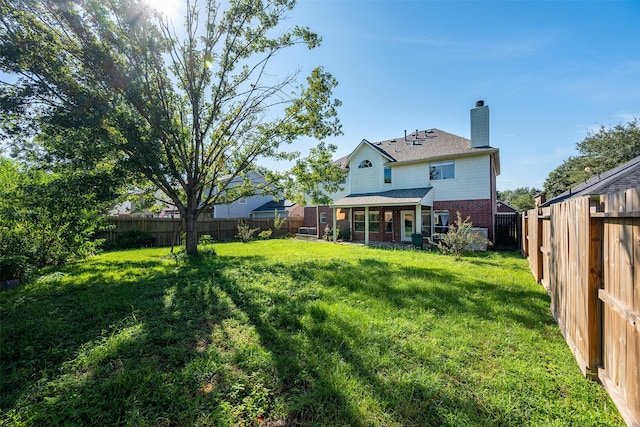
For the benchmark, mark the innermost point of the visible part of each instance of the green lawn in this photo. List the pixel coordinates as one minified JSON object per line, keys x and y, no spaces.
{"x":285,"y":332}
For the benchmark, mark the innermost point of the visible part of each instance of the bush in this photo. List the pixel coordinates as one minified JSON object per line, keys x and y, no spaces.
{"x":131,"y":240}
{"x":265,"y":234}
{"x":14,"y":267}
{"x":206,"y":239}
{"x":344,"y":235}
{"x":460,"y":237}
{"x":245,"y":234}
{"x":49,"y":217}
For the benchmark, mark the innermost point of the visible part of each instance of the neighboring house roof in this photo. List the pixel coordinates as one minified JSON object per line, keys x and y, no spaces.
{"x":280,"y":205}
{"x":411,"y":196}
{"x":430,"y":144}
{"x":504,"y":207}
{"x":621,"y":177}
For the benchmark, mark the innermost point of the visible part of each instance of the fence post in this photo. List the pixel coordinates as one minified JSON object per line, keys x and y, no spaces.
{"x":594,"y":305}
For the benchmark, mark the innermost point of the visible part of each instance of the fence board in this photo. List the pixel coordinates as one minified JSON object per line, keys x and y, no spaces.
{"x":590,"y":264}
{"x":168,"y":231}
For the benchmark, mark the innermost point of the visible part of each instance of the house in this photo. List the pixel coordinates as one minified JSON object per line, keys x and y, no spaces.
{"x":619,"y":178}
{"x":280,"y":207}
{"x":505,"y":208}
{"x":244,"y":206}
{"x":258,"y":205}
{"x":415,"y":184}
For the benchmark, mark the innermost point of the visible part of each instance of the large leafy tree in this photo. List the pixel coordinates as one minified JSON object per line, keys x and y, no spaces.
{"x":190,"y":109}
{"x":598,"y":152}
{"x":48,"y":217}
{"x":522,"y":198}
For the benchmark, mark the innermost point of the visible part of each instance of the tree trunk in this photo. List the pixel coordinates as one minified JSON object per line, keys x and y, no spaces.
{"x":190,"y":220}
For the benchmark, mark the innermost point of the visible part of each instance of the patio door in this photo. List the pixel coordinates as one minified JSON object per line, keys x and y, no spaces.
{"x":407,"y":225}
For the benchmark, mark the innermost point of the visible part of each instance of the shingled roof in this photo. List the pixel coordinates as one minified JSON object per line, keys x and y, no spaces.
{"x":410,"y":196}
{"x":621,"y":177}
{"x":430,"y":144}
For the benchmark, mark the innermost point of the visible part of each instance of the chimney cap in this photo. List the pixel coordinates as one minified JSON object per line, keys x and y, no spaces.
{"x":480,"y":103}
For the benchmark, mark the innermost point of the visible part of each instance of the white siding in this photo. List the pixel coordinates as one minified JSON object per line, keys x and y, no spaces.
{"x":366,"y":180}
{"x":410,"y":176}
{"x":472,"y":181}
{"x":346,"y":190}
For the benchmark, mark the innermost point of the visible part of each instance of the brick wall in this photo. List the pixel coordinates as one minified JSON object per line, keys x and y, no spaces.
{"x":480,"y":212}
{"x":311,"y":217}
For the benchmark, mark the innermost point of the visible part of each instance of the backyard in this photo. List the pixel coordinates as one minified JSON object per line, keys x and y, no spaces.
{"x":287,"y":332}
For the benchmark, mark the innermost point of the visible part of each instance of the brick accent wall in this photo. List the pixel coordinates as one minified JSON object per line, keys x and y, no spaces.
{"x":480,"y":211}
{"x":311,"y":217}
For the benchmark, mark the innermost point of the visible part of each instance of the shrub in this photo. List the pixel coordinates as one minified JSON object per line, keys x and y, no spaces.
{"x":14,"y":267}
{"x":460,"y":237}
{"x":245,"y":234}
{"x":206,"y":239}
{"x":131,"y":240}
{"x":278,"y":221}
{"x":265,"y":234}
{"x":345,"y":234}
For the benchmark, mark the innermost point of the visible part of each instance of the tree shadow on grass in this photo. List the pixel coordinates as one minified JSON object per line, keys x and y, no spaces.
{"x":333,"y":340}
{"x":110,"y":348}
{"x":231,"y":339}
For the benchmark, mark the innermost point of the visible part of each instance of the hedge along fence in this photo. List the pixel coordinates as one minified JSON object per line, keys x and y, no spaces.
{"x":168,"y":231}
{"x":586,"y":252}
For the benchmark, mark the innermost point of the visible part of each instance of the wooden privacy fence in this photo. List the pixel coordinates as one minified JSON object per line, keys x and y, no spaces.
{"x":168,"y":231}
{"x":586,"y":252}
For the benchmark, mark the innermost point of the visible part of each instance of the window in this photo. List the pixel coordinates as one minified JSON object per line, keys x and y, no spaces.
{"x":365,"y":164}
{"x":323,"y":217}
{"x":441,"y":221}
{"x":426,"y":224}
{"x":388,"y":222}
{"x":358,"y":221}
{"x":374,"y":222}
{"x":387,"y":175}
{"x":242,"y":200}
{"x":442,"y":170}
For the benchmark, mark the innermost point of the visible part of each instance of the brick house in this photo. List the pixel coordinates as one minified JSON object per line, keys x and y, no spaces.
{"x":415,"y":184}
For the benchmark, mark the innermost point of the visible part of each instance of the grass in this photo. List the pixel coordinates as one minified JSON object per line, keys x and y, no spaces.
{"x":275,"y":333}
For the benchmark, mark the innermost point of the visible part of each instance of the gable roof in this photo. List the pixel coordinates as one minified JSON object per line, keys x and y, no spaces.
{"x":504,"y":207}
{"x":430,"y":144}
{"x":621,"y":177}
{"x":272,"y":205}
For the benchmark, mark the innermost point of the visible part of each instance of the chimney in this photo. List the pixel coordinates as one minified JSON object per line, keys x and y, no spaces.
{"x":480,"y":125}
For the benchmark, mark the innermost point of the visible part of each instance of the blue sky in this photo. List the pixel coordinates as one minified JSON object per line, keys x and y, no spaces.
{"x":549,"y":71}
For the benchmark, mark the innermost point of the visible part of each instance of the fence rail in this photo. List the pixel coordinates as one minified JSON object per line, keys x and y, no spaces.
{"x":168,"y":231}
{"x":586,"y":252}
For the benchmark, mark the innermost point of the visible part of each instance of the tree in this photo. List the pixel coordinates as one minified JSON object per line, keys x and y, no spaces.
{"x":598,"y":152}
{"x":48,"y":218}
{"x":522,"y":198}
{"x":188,"y":110}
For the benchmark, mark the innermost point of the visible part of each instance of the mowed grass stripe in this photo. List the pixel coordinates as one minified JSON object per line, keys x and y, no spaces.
{"x":286,"y":332}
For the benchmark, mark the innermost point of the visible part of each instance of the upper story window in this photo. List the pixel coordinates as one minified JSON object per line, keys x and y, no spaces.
{"x":365,"y":164}
{"x":442,"y":170}
{"x":242,"y":200}
{"x":387,"y":175}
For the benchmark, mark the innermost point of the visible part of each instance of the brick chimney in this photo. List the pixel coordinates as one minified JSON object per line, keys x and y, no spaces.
{"x":480,"y":125}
